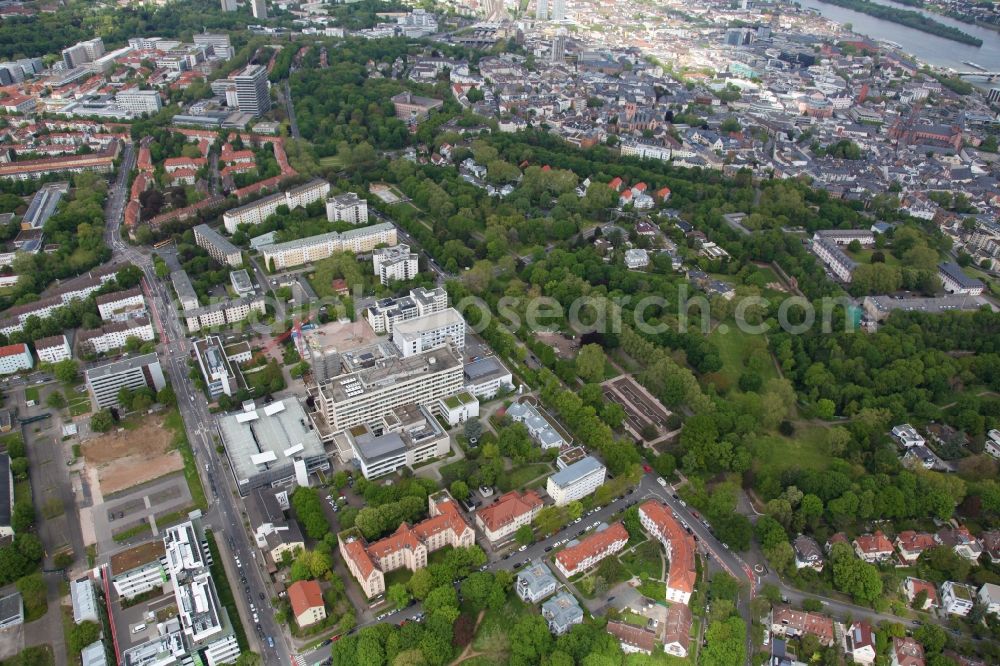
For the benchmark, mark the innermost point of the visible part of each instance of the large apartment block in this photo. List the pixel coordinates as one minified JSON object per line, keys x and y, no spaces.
{"x":121,"y":305}
{"x":410,"y":435}
{"x":223,"y":313}
{"x":386,"y":313}
{"x":500,"y":520}
{"x":395,"y":263}
{"x":367,"y":394}
{"x":114,"y":335}
{"x":659,"y":522}
{"x":139,"y":569}
{"x":258,"y":211}
{"x":430,"y":331}
{"x":347,"y":208}
{"x":218,"y":246}
{"x":407,"y":546}
{"x":591,"y":550}
{"x":104,"y":381}
{"x":304,"y":250}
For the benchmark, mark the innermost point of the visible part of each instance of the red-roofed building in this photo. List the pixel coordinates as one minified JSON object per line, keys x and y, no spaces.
{"x":145,"y":160}
{"x":172,"y":164}
{"x":14,"y":358}
{"x":616,"y":184}
{"x":677,"y":630}
{"x":132,"y":210}
{"x":639,"y":188}
{"x":786,"y":621}
{"x":17,"y":103}
{"x":658,"y":521}
{"x":306,"y":599}
{"x":914,"y":586}
{"x":182,"y":176}
{"x":502,"y":518}
{"x":873,"y":547}
{"x":632,"y":638}
{"x":663,"y":193}
{"x":591,"y":550}
{"x":859,"y":643}
{"x":910,"y":544}
{"x":907,"y":652}
{"x":407,"y":546}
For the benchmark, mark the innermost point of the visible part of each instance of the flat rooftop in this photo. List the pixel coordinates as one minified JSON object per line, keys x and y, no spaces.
{"x":387,"y":371}
{"x":411,"y":328}
{"x":268,"y":437}
{"x":135,"y":557}
{"x":123,"y":365}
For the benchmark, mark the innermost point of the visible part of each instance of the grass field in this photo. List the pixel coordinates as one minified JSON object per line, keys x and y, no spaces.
{"x":864,"y":256}
{"x":805,"y":449}
{"x":79,"y":405}
{"x":31,"y":393}
{"x":520,"y":477}
{"x":740,"y":351}
{"x":181,"y":443}
{"x":332,"y":161}
{"x":644,"y":559}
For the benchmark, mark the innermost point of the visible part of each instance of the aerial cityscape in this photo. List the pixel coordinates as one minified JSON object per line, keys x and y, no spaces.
{"x":488,"y":332}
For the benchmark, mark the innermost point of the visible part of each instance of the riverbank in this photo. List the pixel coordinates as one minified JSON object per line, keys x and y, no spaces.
{"x":908,"y":18}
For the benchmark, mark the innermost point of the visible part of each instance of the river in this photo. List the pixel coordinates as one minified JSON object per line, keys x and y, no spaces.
{"x":933,"y":50}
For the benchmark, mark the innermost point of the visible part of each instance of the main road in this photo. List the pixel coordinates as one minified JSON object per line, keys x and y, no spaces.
{"x":225,"y":510}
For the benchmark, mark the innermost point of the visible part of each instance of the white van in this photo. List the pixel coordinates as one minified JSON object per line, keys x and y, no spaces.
{"x":139,"y":627}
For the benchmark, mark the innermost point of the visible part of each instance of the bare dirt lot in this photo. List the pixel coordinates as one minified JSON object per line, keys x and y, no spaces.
{"x":341,"y":337}
{"x":134,"y":456}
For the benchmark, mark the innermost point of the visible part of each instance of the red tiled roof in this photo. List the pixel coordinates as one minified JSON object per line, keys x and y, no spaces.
{"x":303,"y":595}
{"x":913,"y":541}
{"x":682,"y":571}
{"x":907,"y":652}
{"x":629,"y":634}
{"x":355,"y":550}
{"x":677,"y":627}
{"x":509,"y":508}
{"x":10,"y":350}
{"x":803,"y":622}
{"x":873,"y":543}
{"x":919,"y":585}
{"x":594,"y":544}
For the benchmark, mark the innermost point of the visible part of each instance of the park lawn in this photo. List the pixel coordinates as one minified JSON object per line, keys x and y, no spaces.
{"x":805,"y":449}
{"x":735,"y":347}
{"x":864,"y":256}
{"x":334,"y":161}
{"x":79,"y":406}
{"x":644,"y":560}
{"x":521,"y":476}
{"x":31,"y":393}
{"x":655,"y":590}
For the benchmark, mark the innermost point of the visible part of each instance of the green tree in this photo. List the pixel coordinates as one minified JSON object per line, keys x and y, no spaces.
{"x":590,"y":363}
{"x":459,"y":490}
{"x":398,"y":595}
{"x":66,"y":370}
{"x":83,"y":634}
{"x":55,"y":400}
{"x":102,"y":421}
{"x":726,"y":643}
{"x":524,"y":535}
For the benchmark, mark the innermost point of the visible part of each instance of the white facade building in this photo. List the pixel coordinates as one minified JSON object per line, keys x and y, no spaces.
{"x":957,"y":598}
{"x":139,"y":102}
{"x":347,"y":208}
{"x":258,"y":211}
{"x":115,"y":334}
{"x":576,"y":481}
{"x":395,"y":263}
{"x":14,"y":358}
{"x":304,"y":250}
{"x":53,"y":349}
{"x":430,"y":331}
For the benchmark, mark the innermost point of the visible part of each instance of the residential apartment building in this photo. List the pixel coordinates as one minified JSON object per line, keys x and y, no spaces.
{"x":306,"y":600}
{"x":395,"y":263}
{"x":347,"y":208}
{"x":412,"y":109}
{"x":591,"y":550}
{"x":43,"y":205}
{"x":219,"y":42}
{"x":15,"y":358}
{"x":366,"y":394}
{"x":834,"y":258}
{"x":104,"y":381}
{"x":77,"y":288}
{"x":659,"y":522}
{"x":792,"y":623}
{"x":258,"y":211}
{"x":218,"y":246}
{"x":957,"y":598}
{"x":407,"y":546}
{"x":677,"y":630}
{"x":280,"y":256}
{"x":633,"y":639}
{"x":139,"y":569}
{"x":11,"y":610}
{"x":386,"y":313}
{"x":576,"y":481}
{"x":957,"y":282}
{"x":53,"y":349}
{"x":500,"y":520}
{"x":538,"y":426}
{"x":114,"y":335}
{"x":121,"y":305}
{"x":187,"y":297}
{"x":535,"y":582}
{"x":960,"y":540}
{"x":561,"y":612}
{"x":223,"y":313}
{"x":421,"y":334}
{"x":873,"y":547}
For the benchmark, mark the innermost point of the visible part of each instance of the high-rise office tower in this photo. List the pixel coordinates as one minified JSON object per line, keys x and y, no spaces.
{"x":542,"y":10}
{"x":558,"y":10}
{"x":251,"y":90}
